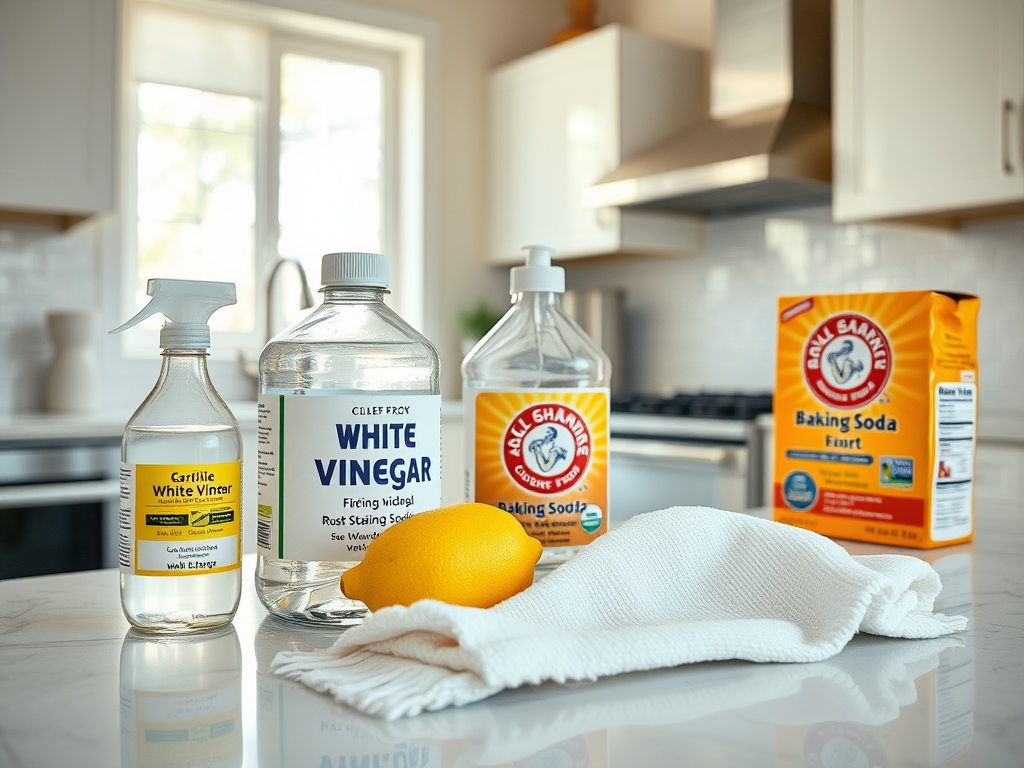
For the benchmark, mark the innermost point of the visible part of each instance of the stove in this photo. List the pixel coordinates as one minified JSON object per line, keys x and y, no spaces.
{"x":696,"y":449}
{"x":703,"y":405}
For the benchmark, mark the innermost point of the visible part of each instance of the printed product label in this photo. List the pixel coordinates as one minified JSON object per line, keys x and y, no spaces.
{"x":847,"y":361}
{"x":955,"y":408}
{"x":336,"y":470}
{"x":180,"y":519}
{"x":875,"y":402}
{"x":543,"y":457}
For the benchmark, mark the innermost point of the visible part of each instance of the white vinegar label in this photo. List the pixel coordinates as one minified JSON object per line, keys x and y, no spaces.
{"x":336,"y":470}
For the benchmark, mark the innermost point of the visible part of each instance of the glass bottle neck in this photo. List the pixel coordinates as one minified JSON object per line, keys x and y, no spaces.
{"x":537,"y":299}
{"x":185,"y":368}
{"x":350,"y":294}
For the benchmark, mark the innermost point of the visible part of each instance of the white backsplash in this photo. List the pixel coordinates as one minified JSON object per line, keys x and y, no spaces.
{"x":708,"y":321}
{"x":40,"y":270}
{"x":692,"y":322}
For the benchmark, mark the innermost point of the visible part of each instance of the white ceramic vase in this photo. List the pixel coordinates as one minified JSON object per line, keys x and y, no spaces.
{"x":73,"y":380}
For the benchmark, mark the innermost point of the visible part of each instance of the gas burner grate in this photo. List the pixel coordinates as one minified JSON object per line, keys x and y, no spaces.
{"x":703,"y":405}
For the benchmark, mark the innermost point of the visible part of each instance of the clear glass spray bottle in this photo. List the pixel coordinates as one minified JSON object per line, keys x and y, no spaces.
{"x":181,"y":477}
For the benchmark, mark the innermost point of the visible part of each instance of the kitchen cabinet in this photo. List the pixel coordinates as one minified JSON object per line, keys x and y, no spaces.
{"x":58,"y":73}
{"x":928,"y":103}
{"x":564,"y":117}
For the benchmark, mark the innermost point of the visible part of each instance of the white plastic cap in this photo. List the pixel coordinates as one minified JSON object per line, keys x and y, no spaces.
{"x":368,"y":270}
{"x":187,"y":305}
{"x":538,"y":276}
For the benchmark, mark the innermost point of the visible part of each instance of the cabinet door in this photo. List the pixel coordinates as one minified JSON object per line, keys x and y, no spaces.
{"x":928,"y":106}
{"x":555,"y":132}
{"x":57,"y":79}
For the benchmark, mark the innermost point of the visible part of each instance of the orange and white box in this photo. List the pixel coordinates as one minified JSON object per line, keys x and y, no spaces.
{"x":876,"y":404}
{"x":542,"y":456}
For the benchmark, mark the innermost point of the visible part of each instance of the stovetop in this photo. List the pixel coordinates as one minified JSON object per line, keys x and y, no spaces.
{"x":700,"y":405}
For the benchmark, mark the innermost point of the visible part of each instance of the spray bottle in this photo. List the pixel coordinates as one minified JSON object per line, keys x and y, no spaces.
{"x":536,"y":400}
{"x":181,"y":477}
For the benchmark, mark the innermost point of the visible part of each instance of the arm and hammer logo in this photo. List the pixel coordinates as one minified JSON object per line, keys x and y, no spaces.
{"x":847,"y":361}
{"x":547,"y":448}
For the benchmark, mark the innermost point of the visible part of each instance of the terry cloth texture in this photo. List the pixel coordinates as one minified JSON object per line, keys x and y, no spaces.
{"x":677,"y":586}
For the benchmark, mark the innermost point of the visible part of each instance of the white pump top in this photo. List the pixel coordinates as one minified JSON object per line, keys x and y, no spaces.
{"x":538,"y":275}
{"x":187,"y":305}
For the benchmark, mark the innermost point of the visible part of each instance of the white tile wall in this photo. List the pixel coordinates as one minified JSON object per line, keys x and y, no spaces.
{"x":705,"y":321}
{"x":43,"y":270}
{"x":40,"y":270}
{"x":708,"y":321}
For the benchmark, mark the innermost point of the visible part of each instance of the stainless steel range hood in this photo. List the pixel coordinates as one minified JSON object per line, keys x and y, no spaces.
{"x":768,"y":141}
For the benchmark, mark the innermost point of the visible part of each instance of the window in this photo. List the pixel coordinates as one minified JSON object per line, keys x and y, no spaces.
{"x":256,"y":134}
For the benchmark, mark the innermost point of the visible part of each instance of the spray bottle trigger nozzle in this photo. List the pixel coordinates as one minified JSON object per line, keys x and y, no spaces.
{"x":187,"y":304}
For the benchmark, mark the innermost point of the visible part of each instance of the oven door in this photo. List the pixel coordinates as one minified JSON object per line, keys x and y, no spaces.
{"x":649,"y":474}
{"x":58,"y":509}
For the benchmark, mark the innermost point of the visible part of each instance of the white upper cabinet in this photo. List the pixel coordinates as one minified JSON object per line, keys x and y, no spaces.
{"x":928,"y":104}
{"x":57,"y":81}
{"x":563,"y":118}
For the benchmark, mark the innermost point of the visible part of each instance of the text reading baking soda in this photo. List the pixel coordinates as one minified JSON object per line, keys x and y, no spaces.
{"x":336,"y":471}
{"x":549,"y":463}
{"x":875,"y":412}
{"x":180,"y":520}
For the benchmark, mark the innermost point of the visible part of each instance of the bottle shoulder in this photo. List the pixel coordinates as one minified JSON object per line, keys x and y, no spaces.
{"x":167,"y":407}
{"x":536,"y":347}
{"x":351,"y":323}
{"x":358,"y":347}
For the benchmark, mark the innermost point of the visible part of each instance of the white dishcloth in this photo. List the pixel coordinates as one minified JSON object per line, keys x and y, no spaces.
{"x":678,"y":586}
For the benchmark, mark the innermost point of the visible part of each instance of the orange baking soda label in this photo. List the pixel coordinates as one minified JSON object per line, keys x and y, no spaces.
{"x":542,"y":455}
{"x":876,"y":400}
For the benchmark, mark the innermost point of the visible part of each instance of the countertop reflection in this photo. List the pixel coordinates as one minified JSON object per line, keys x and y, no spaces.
{"x":78,"y":688}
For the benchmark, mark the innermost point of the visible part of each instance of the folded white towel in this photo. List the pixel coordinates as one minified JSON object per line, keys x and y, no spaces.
{"x":678,"y":586}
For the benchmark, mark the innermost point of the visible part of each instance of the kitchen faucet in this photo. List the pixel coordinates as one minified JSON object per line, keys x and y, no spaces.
{"x":251,"y":368}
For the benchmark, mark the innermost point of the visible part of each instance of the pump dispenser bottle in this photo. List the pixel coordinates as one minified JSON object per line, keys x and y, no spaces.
{"x":536,"y":402}
{"x":181,"y":477}
{"x":349,"y":440}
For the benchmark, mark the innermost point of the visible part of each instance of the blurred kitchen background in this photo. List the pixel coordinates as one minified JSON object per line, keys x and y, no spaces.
{"x":210,"y":138}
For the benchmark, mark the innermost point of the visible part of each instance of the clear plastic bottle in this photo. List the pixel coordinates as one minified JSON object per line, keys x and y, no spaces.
{"x":181,"y":465}
{"x":349,"y":443}
{"x":536,"y":400}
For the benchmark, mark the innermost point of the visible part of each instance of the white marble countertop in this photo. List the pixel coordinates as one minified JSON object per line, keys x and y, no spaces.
{"x":76,"y":689}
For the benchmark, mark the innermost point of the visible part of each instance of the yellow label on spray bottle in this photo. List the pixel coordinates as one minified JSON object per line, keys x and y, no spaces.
{"x":180,"y":519}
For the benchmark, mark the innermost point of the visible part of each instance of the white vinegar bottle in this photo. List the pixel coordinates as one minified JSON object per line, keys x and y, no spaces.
{"x":536,"y":403}
{"x":181,"y":477}
{"x":349,"y":440}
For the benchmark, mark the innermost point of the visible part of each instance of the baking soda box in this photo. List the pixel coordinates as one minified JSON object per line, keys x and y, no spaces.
{"x":876,"y":402}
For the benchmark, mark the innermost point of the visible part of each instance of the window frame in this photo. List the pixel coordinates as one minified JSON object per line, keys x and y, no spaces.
{"x":400,"y":55}
{"x":281,"y":43}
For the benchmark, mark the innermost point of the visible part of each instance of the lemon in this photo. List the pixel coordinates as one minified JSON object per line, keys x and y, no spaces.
{"x":466,"y":554}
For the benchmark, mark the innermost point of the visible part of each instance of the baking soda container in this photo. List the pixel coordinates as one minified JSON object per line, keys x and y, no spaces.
{"x":536,"y":399}
{"x":349,"y":440}
{"x":876,"y":412}
{"x":181,"y":477}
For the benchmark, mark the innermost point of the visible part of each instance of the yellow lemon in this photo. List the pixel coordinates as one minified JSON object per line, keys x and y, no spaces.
{"x":465,"y":554}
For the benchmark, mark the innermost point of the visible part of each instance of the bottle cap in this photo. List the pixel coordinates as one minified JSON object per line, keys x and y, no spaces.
{"x":354,"y":269}
{"x":538,"y":275}
{"x":187,"y":305}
